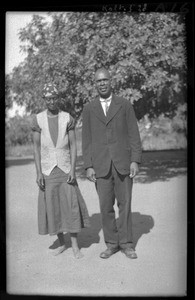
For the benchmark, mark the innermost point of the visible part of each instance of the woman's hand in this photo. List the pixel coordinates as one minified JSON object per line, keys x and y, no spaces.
{"x":71,"y":177}
{"x":40,"y":181}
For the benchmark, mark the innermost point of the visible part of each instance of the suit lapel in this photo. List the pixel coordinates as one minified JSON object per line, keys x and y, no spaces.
{"x":98,"y":111}
{"x":113,"y":109}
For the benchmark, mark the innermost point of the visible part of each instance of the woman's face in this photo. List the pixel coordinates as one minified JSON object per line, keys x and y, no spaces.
{"x":51,"y":103}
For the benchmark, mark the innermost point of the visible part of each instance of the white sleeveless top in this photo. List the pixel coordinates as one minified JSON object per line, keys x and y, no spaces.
{"x":52,"y":155}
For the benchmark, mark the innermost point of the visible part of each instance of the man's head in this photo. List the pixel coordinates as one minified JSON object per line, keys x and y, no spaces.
{"x":50,"y":96}
{"x":103,"y":82}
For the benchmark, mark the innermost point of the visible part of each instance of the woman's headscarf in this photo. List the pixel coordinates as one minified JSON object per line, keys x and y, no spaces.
{"x":49,"y":90}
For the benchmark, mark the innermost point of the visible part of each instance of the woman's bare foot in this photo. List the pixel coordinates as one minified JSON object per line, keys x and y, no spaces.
{"x":77,"y":253}
{"x":59,"y":250}
{"x":75,"y":248}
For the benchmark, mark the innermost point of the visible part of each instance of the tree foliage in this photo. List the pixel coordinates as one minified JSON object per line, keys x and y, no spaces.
{"x":144,"y":52}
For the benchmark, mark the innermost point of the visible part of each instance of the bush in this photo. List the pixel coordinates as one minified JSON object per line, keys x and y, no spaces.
{"x":164,"y":133}
{"x":19,"y":151}
{"x":18,"y":131}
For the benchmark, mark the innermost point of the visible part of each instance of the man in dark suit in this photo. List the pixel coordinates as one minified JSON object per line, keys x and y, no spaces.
{"x":111,"y":152}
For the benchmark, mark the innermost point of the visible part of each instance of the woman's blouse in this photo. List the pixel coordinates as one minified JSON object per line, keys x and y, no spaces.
{"x":53,"y":126}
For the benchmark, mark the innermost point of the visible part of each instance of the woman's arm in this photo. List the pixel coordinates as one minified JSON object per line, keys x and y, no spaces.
{"x":73,"y":155}
{"x":37,"y":158}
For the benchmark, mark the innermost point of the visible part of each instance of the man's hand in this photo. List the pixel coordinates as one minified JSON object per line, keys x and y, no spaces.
{"x":71,"y":177}
{"x":91,"y":174}
{"x":40,"y":181}
{"x":134,"y":169}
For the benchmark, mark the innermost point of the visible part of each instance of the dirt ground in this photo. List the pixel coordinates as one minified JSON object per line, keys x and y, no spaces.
{"x":159,"y":209}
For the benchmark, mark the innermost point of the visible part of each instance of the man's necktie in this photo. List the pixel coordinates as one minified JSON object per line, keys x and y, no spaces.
{"x":106,"y":106}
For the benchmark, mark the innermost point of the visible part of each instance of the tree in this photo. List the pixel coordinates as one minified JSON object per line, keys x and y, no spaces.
{"x":145,"y":53}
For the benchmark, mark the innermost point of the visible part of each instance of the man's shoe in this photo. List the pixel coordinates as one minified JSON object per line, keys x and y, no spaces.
{"x":129,"y":252}
{"x":108,"y":252}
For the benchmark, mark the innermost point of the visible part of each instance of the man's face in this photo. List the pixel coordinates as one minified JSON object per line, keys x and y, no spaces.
{"x":103,"y":84}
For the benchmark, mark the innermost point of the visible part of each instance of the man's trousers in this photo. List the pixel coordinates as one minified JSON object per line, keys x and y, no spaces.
{"x":119,"y":187}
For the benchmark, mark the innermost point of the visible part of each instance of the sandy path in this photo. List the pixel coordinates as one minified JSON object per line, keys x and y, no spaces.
{"x":159,"y":220}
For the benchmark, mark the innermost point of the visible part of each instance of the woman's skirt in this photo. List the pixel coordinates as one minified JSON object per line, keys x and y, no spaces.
{"x":61,"y":207}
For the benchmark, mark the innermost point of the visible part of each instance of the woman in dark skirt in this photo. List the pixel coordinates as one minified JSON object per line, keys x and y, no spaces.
{"x":61,"y":207}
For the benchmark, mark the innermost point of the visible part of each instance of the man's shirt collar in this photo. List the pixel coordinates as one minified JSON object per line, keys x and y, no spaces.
{"x":106,"y":99}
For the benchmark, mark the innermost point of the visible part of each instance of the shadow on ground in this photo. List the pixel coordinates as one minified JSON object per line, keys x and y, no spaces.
{"x":155,"y":166}
{"x":142,"y":224}
{"x":86,"y":237}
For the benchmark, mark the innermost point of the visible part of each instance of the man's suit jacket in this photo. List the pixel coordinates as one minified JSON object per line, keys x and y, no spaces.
{"x":114,"y":137}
